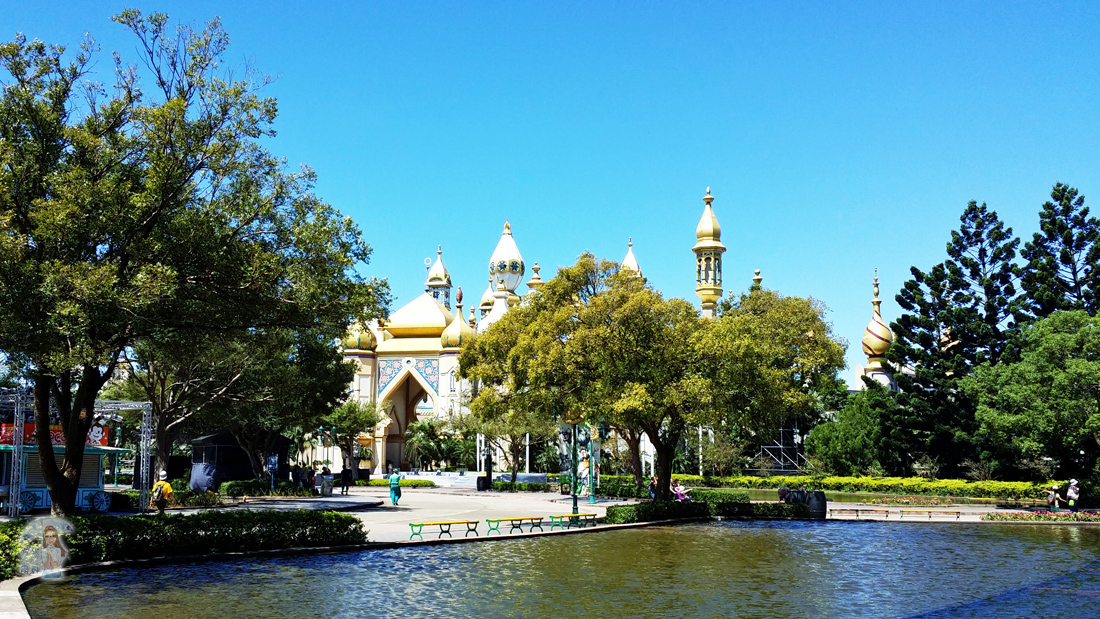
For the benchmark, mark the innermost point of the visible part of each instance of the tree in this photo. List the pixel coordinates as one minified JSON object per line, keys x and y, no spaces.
{"x":1061,"y":258}
{"x":853,"y":443}
{"x":349,"y":420}
{"x":146,"y":212}
{"x":1046,"y":404}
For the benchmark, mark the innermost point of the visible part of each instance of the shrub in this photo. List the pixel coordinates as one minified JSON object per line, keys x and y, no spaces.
{"x":655,"y":510}
{"x":259,"y":487}
{"x":520,"y":486}
{"x":716,"y":497}
{"x":11,"y":545}
{"x":761,"y":510}
{"x":1043,"y":516}
{"x":620,"y":488}
{"x":405,"y":483}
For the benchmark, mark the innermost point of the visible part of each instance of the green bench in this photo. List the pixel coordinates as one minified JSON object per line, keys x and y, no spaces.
{"x":516,"y":523}
{"x":579,"y":520}
{"x":444,"y":527}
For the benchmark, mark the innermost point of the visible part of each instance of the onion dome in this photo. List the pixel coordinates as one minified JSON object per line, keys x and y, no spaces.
{"x":708,"y":233}
{"x":630,"y":262}
{"x":438,"y":273}
{"x":458,"y":332}
{"x":424,"y":316}
{"x":500,"y":307}
{"x":877,"y":336}
{"x":506,"y":263}
{"x":535,"y":282}
{"x":359,"y":338}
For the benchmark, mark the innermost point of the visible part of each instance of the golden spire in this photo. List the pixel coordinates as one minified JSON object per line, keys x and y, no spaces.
{"x":473,"y":320}
{"x":756,"y":279}
{"x":458,"y":332}
{"x":535,"y":282}
{"x":877,"y":336}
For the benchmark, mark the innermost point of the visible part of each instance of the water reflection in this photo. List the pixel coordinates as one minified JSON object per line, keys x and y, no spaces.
{"x":762,"y":569}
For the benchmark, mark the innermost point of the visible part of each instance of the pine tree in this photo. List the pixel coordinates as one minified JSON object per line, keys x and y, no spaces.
{"x":1061,"y":259}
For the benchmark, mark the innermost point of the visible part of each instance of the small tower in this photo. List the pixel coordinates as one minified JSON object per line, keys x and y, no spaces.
{"x":439,"y":280}
{"x":708,"y":259}
{"x":487,"y":297}
{"x":757,"y":280}
{"x":630,"y":262}
{"x":535,"y":282}
{"x":876,"y":342}
{"x":506,"y":264}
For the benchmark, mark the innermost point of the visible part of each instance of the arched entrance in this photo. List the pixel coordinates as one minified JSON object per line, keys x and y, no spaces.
{"x":407,"y":399}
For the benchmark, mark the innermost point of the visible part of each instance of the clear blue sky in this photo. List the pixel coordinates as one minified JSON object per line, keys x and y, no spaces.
{"x":836,"y":137}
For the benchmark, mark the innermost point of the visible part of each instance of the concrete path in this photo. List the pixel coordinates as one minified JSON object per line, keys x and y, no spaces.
{"x":912,"y":513}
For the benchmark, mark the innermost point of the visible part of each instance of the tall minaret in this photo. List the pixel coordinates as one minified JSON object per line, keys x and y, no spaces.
{"x":439,"y":280}
{"x":708,"y":259}
{"x":876,"y":341}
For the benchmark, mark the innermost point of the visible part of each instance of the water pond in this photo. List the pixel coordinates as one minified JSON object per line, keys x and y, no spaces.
{"x":757,"y":569}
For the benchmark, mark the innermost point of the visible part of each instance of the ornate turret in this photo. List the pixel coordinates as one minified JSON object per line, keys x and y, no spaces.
{"x":500,"y":307}
{"x":506,"y":264}
{"x":535,"y":282}
{"x":439,"y":280}
{"x":487,"y":297}
{"x":757,"y":279}
{"x":876,"y":342}
{"x":359,"y":339}
{"x":708,"y":259}
{"x":458,"y":332}
{"x":630,"y":262}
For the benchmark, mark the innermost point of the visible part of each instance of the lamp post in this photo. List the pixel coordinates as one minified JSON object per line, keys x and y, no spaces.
{"x":574,"y":481}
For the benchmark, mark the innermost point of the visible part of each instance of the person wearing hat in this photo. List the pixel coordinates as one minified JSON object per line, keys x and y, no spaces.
{"x":395,"y":486}
{"x":162,"y":491}
{"x":1073,"y":494}
{"x":1053,"y":498}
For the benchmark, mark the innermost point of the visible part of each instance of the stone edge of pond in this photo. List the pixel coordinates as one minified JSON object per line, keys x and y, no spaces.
{"x":11,"y":591}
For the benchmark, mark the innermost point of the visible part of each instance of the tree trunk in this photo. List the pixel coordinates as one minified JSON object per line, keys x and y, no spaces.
{"x":665,"y":454}
{"x":76,"y":418}
{"x":633,"y":440}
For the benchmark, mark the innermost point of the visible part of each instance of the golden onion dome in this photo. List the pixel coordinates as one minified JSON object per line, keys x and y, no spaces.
{"x":708,"y":233}
{"x":438,"y":273}
{"x":359,"y":338}
{"x":877,"y":336}
{"x":458,"y":332}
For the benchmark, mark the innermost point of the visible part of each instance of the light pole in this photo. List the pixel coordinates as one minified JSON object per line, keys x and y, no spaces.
{"x":574,"y":482}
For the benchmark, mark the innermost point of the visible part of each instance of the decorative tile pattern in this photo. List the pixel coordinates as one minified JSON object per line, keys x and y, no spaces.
{"x":429,"y":369}
{"x":388,"y":369}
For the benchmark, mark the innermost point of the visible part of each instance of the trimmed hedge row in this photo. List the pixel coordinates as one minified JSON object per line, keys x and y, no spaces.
{"x":873,"y":485}
{"x":713,"y":503}
{"x":655,"y":510}
{"x":520,"y":486}
{"x":1043,"y":517}
{"x":110,"y":538}
{"x":259,"y":487}
{"x":405,"y":483}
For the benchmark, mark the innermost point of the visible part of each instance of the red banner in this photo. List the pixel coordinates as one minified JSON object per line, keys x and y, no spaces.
{"x":96,"y":436}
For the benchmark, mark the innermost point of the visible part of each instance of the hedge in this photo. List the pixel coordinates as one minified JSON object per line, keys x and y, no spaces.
{"x":520,"y":486}
{"x":655,"y":510}
{"x":110,"y":538}
{"x":405,"y":483}
{"x":870,"y":485}
{"x":1043,"y":516}
{"x":259,"y":487}
{"x":727,"y":504}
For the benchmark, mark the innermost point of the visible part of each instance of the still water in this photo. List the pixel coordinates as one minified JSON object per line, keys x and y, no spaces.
{"x":755,"y":569}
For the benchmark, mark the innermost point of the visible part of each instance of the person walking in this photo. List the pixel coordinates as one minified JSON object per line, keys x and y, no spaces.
{"x":1073,"y":495}
{"x":395,"y":486}
{"x":162,"y":491}
{"x":345,"y":480}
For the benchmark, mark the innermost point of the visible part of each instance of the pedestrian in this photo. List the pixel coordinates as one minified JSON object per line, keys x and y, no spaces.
{"x":345,"y":480}
{"x":162,"y":491}
{"x":395,"y":486}
{"x":653,"y":487}
{"x":1073,"y":495}
{"x":1053,"y":498}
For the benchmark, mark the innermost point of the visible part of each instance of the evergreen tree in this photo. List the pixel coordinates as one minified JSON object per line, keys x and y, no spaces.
{"x":1061,"y":259}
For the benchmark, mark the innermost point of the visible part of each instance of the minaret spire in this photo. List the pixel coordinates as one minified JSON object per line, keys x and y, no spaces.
{"x":876,"y":342}
{"x":708,"y":259}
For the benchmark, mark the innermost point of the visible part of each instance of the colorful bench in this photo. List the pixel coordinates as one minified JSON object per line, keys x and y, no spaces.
{"x":444,"y":527}
{"x":516,"y":523}
{"x":574,"y":519}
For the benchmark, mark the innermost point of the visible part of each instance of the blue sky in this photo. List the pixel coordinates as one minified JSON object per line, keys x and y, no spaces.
{"x":836,"y":137}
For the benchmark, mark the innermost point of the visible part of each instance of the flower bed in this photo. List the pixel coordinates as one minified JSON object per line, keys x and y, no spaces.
{"x":405,"y":483}
{"x":520,"y":486}
{"x":1043,"y":516}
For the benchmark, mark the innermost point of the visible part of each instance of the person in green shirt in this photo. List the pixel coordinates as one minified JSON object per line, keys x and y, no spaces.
{"x":395,"y":486}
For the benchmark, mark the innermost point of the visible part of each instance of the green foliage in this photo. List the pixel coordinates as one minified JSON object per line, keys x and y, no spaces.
{"x":648,"y":511}
{"x":1044,"y":405}
{"x":619,"y":488}
{"x":519,"y":486}
{"x":897,"y":485}
{"x":752,"y":511}
{"x":259,"y":487}
{"x":1042,"y":516}
{"x":12,"y":544}
{"x":404,"y":483}
{"x":350,"y":419}
{"x":719,"y":496}
{"x":850,"y":444}
{"x":107,"y":538}
{"x":1062,"y":257}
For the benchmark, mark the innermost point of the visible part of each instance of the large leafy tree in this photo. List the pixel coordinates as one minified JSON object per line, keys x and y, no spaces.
{"x":1061,"y":271}
{"x":853,"y":443}
{"x":134,"y":212}
{"x":348,"y":421}
{"x":1046,"y":404}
